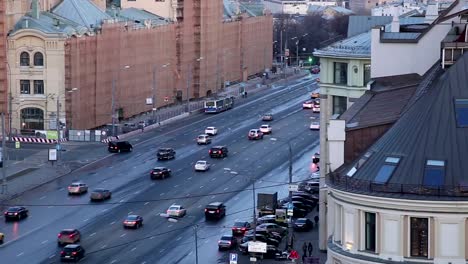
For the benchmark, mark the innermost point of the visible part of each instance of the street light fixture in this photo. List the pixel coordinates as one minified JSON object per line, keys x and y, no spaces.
{"x":113,"y":99}
{"x":154,"y":89}
{"x":57,"y":119}
{"x":195,"y":230}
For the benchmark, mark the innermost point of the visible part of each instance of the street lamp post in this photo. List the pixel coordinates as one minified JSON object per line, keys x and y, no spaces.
{"x":57,"y":121}
{"x":297,"y":47}
{"x":154,"y":89}
{"x":113,"y":100}
{"x":195,"y":231}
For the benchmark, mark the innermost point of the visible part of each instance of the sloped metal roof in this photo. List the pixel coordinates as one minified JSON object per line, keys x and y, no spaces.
{"x":358,"y":46}
{"x":50,"y":23}
{"x":427,"y":130}
{"x":361,"y":24}
{"x":136,"y":14}
{"x":83,"y":12}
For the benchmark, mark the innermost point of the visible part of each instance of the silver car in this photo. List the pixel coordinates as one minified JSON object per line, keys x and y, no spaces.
{"x":100,"y":194}
{"x":203,"y":139}
{"x":77,"y":188}
{"x":68,"y":236}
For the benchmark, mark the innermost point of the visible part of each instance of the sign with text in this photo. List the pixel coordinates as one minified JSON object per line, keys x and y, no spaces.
{"x":52,"y":155}
{"x":149,"y":101}
{"x":17,"y":144}
{"x":258,"y":247}
{"x":293,"y":187}
{"x":233,"y":258}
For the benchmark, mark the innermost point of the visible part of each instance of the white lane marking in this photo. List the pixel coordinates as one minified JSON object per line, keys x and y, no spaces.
{"x":213,"y":179}
{"x":144,"y":262}
{"x":112,"y":223}
{"x":237,"y":181}
{"x":86,"y":220}
{"x":52,"y":256}
{"x":201,"y":186}
{"x":50,"y":207}
{"x":199,"y":206}
{"x":133,"y":249}
{"x":121,"y":201}
{"x":137,"y":192}
{"x":189,"y":178}
{"x":179,"y":238}
{"x":152,"y":237}
{"x":161,"y":194}
{"x":214,"y":196}
{"x":124,"y":234}
{"x":206,"y":241}
{"x":20,"y":254}
{"x":162,"y":250}
{"x":104,"y":246}
{"x":43,"y":242}
{"x":93,"y":234}
{"x":225,"y":189}
{"x":113,"y":261}
{"x":146,"y":203}
{"x":111,"y":167}
{"x":235,"y":152}
{"x":104,"y":210}
{"x":175,"y":186}
{"x":169,"y":226}
{"x":236,"y":198}
{"x":227,"y":169}
{"x":191,"y":252}
{"x":234,"y":172}
{"x":43,"y":197}
{"x":134,"y":167}
{"x":61,"y":189}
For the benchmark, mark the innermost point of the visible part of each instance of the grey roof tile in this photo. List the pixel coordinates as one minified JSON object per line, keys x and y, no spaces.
{"x":358,"y":46}
{"x":83,"y":12}
{"x":47,"y":23}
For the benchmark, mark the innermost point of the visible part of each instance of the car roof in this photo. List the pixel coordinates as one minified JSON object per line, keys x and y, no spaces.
{"x":15,"y":208}
{"x":176,"y":205}
{"x":69,"y":230}
{"x":215,"y":204}
{"x":159,"y":168}
{"x":132,"y":216}
{"x":210,"y":127}
{"x":201,"y":161}
{"x":218,"y":147}
{"x":72,"y":246}
{"x":165,"y":149}
{"x":254,"y":129}
{"x":100,"y":190}
{"x":203,"y":135}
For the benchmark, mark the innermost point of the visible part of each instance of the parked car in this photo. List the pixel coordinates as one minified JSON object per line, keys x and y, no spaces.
{"x":307,"y":195}
{"x":239,"y":228}
{"x":215,"y":210}
{"x":160,"y":173}
{"x":77,"y":188}
{"x":315,"y":70}
{"x":266,"y":233}
{"x":133,"y":221}
{"x":308,"y":104}
{"x":314,"y":95}
{"x":304,"y":200}
{"x":202,"y":165}
{"x":266,"y":219}
{"x":166,"y":153}
{"x":72,"y":252}
{"x":312,"y":186}
{"x":119,"y":146}
{"x":297,"y":212}
{"x":176,"y":210}
{"x":266,"y":129}
{"x":315,"y":125}
{"x":271,"y":227}
{"x":316,"y":158}
{"x":212,"y":131}
{"x":100,"y":194}
{"x":261,"y":238}
{"x":203,"y":139}
{"x":255,"y":134}
{"x":303,"y":224}
{"x":218,"y":152}
{"x":128,"y":127}
{"x":68,"y":236}
{"x":267,"y":117}
{"x":227,"y":242}
{"x":316,"y":106}
{"x":16,"y":213}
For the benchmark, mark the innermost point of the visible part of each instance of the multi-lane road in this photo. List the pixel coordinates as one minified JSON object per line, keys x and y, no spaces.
{"x":33,"y":240}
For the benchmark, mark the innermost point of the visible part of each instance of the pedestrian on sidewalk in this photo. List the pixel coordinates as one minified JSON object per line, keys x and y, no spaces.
{"x":304,"y":251}
{"x":316,"y":219}
{"x":310,"y":248}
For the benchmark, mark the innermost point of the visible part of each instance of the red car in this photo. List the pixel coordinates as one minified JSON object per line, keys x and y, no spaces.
{"x":240,"y":228}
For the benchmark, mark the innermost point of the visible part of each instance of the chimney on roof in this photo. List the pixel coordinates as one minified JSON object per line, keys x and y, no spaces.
{"x":395,"y":26}
{"x":35,"y":9}
{"x":432,"y":12}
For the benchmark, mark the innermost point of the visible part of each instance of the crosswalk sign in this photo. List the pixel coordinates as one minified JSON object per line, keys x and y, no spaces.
{"x":232,"y":258}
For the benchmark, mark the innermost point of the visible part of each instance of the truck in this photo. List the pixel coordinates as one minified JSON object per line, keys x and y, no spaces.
{"x":267,"y":203}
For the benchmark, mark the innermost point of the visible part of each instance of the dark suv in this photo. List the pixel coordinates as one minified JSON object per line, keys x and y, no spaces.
{"x":119,"y":146}
{"x":166,"y":153}
{"x":218,"y":152}
{"x":72,"y":252}
{"x":215,"y":210}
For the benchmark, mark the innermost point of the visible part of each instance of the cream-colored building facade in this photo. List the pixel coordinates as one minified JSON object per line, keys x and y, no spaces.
{"x":37,"y":79}
{"x":166,"y":9}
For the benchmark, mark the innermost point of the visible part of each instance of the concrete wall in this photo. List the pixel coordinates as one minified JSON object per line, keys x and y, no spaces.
{"x":52,"y":73}
{"x":447,"y":227}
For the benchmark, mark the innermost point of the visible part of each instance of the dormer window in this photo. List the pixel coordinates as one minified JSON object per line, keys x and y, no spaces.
{"x":434,"y":173}
{"x":359,"y":164}
{"x":387,"y":169}
{"x":461,"y":112}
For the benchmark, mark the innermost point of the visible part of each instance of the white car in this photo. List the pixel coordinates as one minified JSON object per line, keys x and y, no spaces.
{"x":266,"y":129}
{"x":176,"y":210}
{"x":315,"y":125}
{"x":77,"y":188}
{"x":202,"y":165}
{"x":203,"y":139}
{"x":212,"y":131}
{"x":308,"y":104}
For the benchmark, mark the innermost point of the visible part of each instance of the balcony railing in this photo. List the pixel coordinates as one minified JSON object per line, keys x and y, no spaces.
{"x":345,"y":183}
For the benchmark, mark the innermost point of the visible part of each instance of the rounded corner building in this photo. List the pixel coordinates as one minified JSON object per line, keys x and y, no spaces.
{"x":405,"y":199}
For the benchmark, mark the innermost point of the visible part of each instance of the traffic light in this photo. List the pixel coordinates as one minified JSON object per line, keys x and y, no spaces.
{"x":310,"y":59}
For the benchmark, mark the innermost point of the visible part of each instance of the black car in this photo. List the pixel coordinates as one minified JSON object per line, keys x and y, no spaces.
{"x":302,"y":205}
{"x":267,"y":117}
{"x":72,"y":252}
{"x":16,"y":213}
{"x":215,"y":210}
{"x":166,"y":153}
{"x":218,"y":152}
{"x":266,"y":233}
{"x":160,"y":173}
{"x":306,"y":195}
{"x":239,"y":228}
{"x":227,"y":242}
{"x":119,"y":146}
{"x":303,"y":224}
{"x":261,"y":238}
{"x":303,"y":200}
{"x":297,"y":212}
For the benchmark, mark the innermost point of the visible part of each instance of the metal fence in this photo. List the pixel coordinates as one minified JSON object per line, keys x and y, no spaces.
{"x":86,"y":135}
{"x":346,"y":183}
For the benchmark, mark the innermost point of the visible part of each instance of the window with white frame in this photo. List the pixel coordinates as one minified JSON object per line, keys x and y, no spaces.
{"x":370,"y":231}
{"x":25,"y":86}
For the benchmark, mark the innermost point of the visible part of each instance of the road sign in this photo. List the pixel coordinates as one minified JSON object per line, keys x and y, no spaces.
{"x":52,"y":154}
{"x":258,"y":247}
{"x":17,"y":144}
{"x":233,"y":258}
{"x":286,"y":52}
{"x":293,"y":187}
{"x":290,"y":209}
{"x":293,"y":254}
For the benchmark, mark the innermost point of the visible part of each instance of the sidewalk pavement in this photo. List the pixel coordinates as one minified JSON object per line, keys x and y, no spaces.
{"x":26,"y":173}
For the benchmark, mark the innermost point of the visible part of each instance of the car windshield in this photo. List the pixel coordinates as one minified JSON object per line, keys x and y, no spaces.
{"x":99,"y":190}
{"x":132,"y":217}
{"x":239,"y":224}
{"x":201,"y":162}
{"x":67,"y":232}
{"x":173,"y":208}
{"x":300,"y":221}
{"x":226,"y":238}
{"x":210,"y":128}
{"x":69,"y":249}
{"x":14,"y":209}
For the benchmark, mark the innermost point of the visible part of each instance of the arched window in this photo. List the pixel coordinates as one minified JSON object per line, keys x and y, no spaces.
{"x":38,"y":59}
{"x":32,"y":119}
{"x":24,"y":59}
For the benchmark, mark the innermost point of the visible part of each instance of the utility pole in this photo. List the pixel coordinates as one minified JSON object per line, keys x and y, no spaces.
{"x":297,"y":53}
{"x":4,"y":181}
{"x":113,"y":107}
{"x":154,"y":94}
{"x":195,"y":229}
{"x":254,"y":214}
{"x":189,"y":76}
{"x":290,"y":170}
{"x":57,"y":126}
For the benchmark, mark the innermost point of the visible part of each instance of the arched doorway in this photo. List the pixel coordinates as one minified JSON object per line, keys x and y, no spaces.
{"x":32,"y":119}
{"x":209,"y":93}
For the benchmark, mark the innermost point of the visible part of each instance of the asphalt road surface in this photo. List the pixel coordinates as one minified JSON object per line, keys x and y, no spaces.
{"x":33,"y":240}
